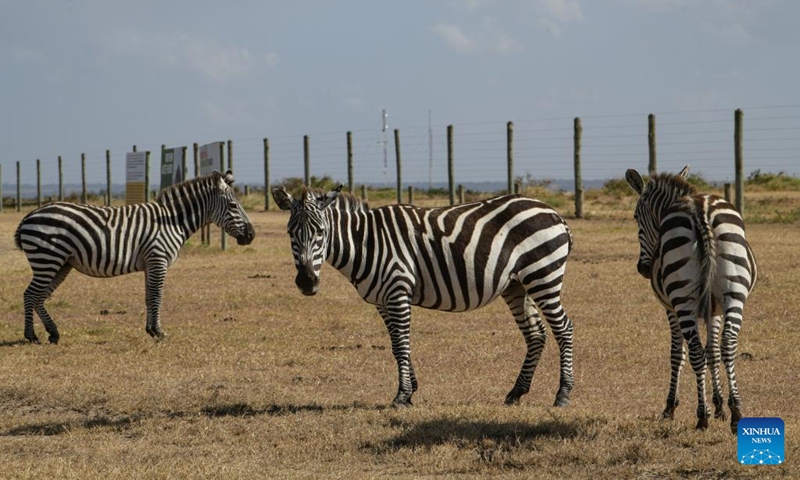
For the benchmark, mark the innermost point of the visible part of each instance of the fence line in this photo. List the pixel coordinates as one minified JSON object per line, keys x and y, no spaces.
{"x":538,"y":149}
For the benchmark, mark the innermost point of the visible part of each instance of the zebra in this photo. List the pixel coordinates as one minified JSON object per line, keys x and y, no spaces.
{"x":455,"y":258}
{"x":700,"y":266}
{"x":112,"y":241}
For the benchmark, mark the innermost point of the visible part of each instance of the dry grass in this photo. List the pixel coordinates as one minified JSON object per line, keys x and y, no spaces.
{"x":255,"y":380}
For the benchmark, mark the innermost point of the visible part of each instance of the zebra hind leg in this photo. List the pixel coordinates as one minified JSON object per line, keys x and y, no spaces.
{"x":677,"y":359}
{"x":40,"y":288}
{"x":535,"y":334}
{"x":730,"y":335}
{"x":697,"y":357}
{"x":561,"y":325}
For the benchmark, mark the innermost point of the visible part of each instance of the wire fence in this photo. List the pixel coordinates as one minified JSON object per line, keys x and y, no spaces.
{"x":543,"y":150}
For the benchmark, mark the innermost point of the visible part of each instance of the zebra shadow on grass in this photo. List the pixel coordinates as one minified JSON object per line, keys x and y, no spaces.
{"x":473,"y":433}
{"x":120,"y":423}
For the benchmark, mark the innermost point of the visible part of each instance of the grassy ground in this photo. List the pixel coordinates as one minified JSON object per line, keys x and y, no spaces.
{"x":256,"y":381}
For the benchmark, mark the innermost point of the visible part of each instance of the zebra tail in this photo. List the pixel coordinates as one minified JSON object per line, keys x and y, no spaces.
{"x":707,"y":249}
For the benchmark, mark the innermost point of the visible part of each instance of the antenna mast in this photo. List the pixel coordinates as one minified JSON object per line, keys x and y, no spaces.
{"x":383,"y":142}
{"x":430,"y":153}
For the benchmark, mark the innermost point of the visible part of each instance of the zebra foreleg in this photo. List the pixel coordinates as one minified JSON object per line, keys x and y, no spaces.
{"x":713,"y":359}
{"x":397,"y":318}
{"x":677,"y":359}
{"x":155,"y":274}
{"x":730,"y":335}
{"x":535,"y":334}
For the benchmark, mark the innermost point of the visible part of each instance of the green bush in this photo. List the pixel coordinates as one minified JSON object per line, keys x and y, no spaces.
{"x":773,"y":181}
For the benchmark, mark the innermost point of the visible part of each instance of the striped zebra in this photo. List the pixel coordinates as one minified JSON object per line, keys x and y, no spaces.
{"x":112,"y":241}
{"x":455,"y":258}
{"x":694,"y":252}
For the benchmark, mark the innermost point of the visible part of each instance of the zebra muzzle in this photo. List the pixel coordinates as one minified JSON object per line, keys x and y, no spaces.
{"x":247,"y":235}
{"x":644,"y":269}
{"x":307,"y":281}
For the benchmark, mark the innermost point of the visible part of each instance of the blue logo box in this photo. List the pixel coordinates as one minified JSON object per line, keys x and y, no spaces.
{"x":761,"y":441}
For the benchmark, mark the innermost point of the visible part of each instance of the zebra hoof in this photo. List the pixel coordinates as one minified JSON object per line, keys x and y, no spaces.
{"x":512,"y":399}
{"x":702,"y":423}
{"x":53,"y":338}
{"x":669,"y":412}
{"x":401,"y":401}
{"x":561,"y":402}
{"x":33,"y":339}
{"x":736,"y":415}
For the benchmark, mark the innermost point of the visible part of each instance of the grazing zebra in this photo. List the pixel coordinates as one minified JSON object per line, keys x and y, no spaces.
{"x":694,"y":252}
{"x":111,"y":241}
{"x":453,"y":258}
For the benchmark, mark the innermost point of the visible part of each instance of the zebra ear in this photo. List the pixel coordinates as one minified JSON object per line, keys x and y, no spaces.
{"x":634,"y":180}
{"x":685,"y":172}
{"x":283,"y":199}
{"x":229,"y":177}
{"x":329,"y":197}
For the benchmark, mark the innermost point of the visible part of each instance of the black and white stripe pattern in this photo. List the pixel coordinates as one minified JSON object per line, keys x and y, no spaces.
{"x":694,"y":252}
{"x":454,"y":258}
{"x":111,"y":241}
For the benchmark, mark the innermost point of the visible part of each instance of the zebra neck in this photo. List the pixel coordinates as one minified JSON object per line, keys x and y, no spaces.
{"x":350,"y":233}
{"x":187,"y":206}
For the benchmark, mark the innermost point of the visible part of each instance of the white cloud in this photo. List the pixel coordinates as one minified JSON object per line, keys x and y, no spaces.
{"x":729,"y":21}
{"x":490,"y":38}
{"x":453,"y":36}
{"x":199,"y":54}
{"x":563,"y":11}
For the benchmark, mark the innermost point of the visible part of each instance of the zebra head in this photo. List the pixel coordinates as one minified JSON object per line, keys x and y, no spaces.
{"x":652,"y":199}
{"x":226,"y":211}
{"x":308,"y":233}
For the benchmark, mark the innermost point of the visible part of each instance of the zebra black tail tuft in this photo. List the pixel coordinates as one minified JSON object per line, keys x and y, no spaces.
{"x":707,"y":249}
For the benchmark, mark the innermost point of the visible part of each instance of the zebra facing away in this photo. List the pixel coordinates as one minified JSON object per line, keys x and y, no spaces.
{"x":700,"y":266}
{"x":112,"y":241}
{"x":454,"y":258}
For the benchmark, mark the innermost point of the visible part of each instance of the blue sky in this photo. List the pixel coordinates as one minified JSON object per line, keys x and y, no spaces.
{"x":90,"y":75}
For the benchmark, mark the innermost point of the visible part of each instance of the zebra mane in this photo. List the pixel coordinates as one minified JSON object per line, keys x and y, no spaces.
{"x":345,"y":201}
{"x":669,"y":182}
{"x":169,"y":191}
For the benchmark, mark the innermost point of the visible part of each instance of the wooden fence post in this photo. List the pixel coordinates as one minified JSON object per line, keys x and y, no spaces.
{"x":1,"y":187}
{"x":652,"y":165}
{"x":19,"y":197}
{"x":230,"y":156}
{"x":364,"y":192}
{"x":450,"y":177}
{"x":578,"y":176}
{"x":727,"y":189}
{"x":460,"y":193}
{"x":510,"y":155}
{"x":306,"y":162}
{"x":223,"y":243}
{"x":108,"y":178}
{"x":738,"y":119}
{"x":410,"y":195}
{"x":267,"y":182}
{"x":84,"y":198}
{"x":350,"y":162}
{"x":399,"y":165}
{"x":38,"y":183}
{"x":60,"y":180}
{"x":147,"y":176}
